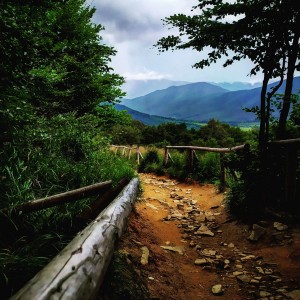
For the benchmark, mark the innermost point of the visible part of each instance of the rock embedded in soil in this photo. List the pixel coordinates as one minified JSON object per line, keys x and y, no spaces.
{"x":200,"y":218}
{"x":178,"y":249}
{"x":243,"y":278}
{"x":145,"y":256}
{"x":248,"y":257}
{"x":209,"y":252}
{"x":295,"y":295}
{"x":279,"y":226}
{"x":264,"y":294}
{"x":202,"y":262}
{"x":257,"y":233}
{"x":217,"y":290}
{"x":203,"y":230}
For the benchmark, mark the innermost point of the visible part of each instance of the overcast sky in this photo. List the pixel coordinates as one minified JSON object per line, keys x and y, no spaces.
{"x":132,"y":27}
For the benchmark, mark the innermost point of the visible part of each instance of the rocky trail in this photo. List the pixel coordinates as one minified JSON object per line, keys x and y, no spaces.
{"x":183,"y":245}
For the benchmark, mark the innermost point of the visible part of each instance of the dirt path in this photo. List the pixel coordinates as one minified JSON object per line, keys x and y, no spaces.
{"x":193,"y":247}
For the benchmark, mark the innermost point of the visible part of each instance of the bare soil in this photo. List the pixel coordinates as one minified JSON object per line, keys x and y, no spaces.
{"x":169,"y":215}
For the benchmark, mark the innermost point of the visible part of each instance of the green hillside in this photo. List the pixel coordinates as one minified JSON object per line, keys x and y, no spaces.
{"x":201,"y":102}
{"x":153,"y":120}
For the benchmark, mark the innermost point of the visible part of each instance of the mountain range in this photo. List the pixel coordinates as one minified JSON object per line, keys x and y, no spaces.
{"x":153,"y":120}
{"x":201,"y":101}
{"x":137,"y":88}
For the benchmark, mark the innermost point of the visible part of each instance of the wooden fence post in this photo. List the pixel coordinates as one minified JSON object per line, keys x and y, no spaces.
{"x":290,"y":176}
{"x":138,"y":154}
{"x":190,"y":160}
{"x":223,"y":173}
{"x":166,"y":156}
{"x":195,"y":155}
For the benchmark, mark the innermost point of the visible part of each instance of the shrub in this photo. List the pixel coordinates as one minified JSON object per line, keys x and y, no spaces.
{"x":48,"y":157}
{"x":151,"y":158}
{"x":177,"y":166}
{"x":207,"y":168}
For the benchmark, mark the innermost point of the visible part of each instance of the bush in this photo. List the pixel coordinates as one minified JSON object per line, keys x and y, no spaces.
{"x":177,"y":166}
{"x":151,"y":158}
{"x":54,"y":156}
{"x":207,"y":169}
{"x":48,"y":157}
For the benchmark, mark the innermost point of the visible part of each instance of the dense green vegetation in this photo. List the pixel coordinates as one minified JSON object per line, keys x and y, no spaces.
{"x":54,"y":74}
{"x":214,"y":134}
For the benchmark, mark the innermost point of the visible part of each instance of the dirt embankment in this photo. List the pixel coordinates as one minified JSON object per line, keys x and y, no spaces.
{"x":192,"y":250}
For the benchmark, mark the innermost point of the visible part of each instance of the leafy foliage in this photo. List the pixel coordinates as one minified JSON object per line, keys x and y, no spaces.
{"x":214,"y":133}
{"x":55,"y":74}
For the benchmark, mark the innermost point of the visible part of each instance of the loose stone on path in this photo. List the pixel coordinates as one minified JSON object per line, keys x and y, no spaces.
{"x":145,"y":255}
{"x":217,"y":290}
{"x":178,"y":249}
{"x":257,"y":233}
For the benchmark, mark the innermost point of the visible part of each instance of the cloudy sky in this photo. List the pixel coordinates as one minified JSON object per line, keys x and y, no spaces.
{"x":132,"y":27}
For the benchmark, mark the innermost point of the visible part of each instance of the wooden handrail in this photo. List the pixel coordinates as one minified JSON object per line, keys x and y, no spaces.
{"x":218,"y":150}
{"x":70,"y":196}
{"x":126,"y":147}
{"x":285,"y":142}
{"x":138,"y":153}
{"x":77,"y":272}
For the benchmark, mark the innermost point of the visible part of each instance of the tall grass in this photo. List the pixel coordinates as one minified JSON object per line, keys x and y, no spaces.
{"x":46,"y":158}
{"x":206,"y":169}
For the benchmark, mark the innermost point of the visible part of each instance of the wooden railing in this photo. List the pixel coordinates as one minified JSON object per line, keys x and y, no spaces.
{"x":127,"y":151}
{"x":70,"y":196}
{"x":77,"y":272}
{"x":192,"y":155}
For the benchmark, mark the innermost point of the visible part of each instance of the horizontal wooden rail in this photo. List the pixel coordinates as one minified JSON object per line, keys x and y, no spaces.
{"x":285,"y":142}
{"x":102,"y":202}
{"x":209,"y":149}
{"x":70,"y":196}
{"x":128,"y":155}
{"x":192,"y":155}
{"x":77,"y":272}
{"x":126,"y":147}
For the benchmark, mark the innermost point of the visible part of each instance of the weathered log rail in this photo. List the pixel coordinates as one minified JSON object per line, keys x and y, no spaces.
{"x":192,"y":155}
{"x":78,"y":270}
{"x":127,"y":151}
{"x":70,"y":196}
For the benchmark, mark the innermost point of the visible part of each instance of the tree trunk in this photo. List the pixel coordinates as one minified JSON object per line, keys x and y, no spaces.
{"x":269,"y":97}
{"x":292,"y":58}
{"x":262,"y":127}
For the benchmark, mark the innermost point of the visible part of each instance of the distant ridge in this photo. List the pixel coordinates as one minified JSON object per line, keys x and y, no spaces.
{"x":137,"y":88}
{"x":175,"y":101}
{"x":237,"y":86}
{"x":201,"y":101}
{"x":154,"y":120}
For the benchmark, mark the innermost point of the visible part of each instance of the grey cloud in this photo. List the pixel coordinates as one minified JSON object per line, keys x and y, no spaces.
{"x":126,"y":24}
